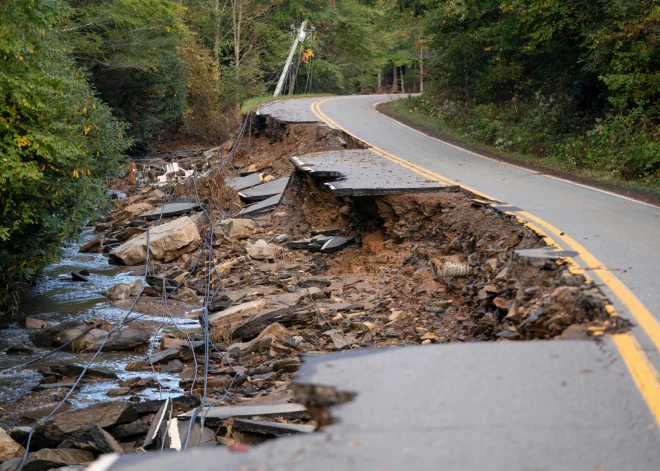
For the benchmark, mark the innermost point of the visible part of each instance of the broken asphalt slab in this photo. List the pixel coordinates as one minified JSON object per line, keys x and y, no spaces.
{"x":363,"y":172}
{"x":241,"y":183}
{"x":489,"y":406}
{"x":262,"y":206}
{"x":264,"y":191}
{"x":170,"y":210}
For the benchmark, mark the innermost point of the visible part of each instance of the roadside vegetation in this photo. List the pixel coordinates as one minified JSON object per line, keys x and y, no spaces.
{"x":574,"y":84}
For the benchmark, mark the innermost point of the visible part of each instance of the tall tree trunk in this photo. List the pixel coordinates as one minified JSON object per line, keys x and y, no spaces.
{"x":380,"y":83}
{"x":403,"y":85}
{"x":421,"y":69}
{"x":216,"y":33}
{"x":395,"y":85}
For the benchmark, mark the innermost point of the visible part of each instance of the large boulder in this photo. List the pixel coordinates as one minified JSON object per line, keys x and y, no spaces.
{"x":167,"y":242}
{"x":8,"y":447}
{"x":49,"y":459}
{"x":74,"y":421}
{"x":60,"y":334}
{"x":121,"y":340}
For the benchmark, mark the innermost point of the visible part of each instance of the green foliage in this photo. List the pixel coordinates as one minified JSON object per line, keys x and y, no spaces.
{"x":577,"y":79}
{"x":57,"y":141}
{"x":130,"y":48}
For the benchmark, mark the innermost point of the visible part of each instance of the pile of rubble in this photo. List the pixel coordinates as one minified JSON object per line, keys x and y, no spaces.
{"x":327,"y":270}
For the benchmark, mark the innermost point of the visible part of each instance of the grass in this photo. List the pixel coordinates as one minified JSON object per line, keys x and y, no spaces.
{"x":253,"y":103}
{"x":402,"y":110}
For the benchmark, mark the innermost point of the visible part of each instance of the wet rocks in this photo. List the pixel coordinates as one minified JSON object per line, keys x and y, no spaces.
{"x":105,"y":415}
{"x":48,"y":459}
{"x":34,"y":323}
{"x":122,"y":340}
{"x":166,"y":242}
{"x":8,"y":447}
{"x":124,"y":290}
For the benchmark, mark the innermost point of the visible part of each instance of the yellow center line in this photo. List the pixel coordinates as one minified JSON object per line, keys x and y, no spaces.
{"x":640,"y":367}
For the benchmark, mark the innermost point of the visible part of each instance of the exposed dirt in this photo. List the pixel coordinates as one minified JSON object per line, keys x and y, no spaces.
{"x":423,"y":268}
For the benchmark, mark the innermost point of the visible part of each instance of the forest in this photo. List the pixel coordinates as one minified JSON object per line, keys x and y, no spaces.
{"x":85,"y":84}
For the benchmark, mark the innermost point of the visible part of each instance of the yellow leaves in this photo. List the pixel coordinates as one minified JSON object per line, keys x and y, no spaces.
{"x":169,"y":30}
{"x":85,"y":109}
{"x":87,"y":128}
{"x":75,"y":173}
{"x":22,"y":141}
{"x":43,"y":167}
{"x":306,"y":56}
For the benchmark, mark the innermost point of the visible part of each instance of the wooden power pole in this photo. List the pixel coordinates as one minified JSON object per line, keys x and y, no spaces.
{"x":300,"y":36}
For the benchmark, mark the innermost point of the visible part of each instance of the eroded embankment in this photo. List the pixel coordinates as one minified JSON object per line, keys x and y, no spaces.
{"x":321,"y":273}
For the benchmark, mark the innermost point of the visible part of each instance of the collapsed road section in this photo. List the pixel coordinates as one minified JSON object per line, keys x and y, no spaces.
{"x":299,"y":245}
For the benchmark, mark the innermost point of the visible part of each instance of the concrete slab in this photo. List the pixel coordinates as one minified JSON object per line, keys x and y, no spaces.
{"x":170,"y":210}
{"x":299,"y":111}
{"x":262,"y":206}
{"x":522,"y":406}
{"x":264,"y":191}
{"x":363,"y":172}
{"x":241,"y":183}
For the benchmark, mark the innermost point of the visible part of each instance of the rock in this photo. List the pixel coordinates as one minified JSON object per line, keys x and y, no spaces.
{"x":106,"y":443}
{"x":293,"y":342}
{"x":75,"y":421}
{"x":236,"y":229}
{"x":18,"y":349}
{"x":186,"y":295}
{"x":60,"y":334}
{"x":78,"y":277}
{"x":139,"y":427}
{"x":122,"y":340}
{"x":261,"y":250}
{"x":116,"y":392}
{"x":281,"y":238}
{"x":274,"y":333}
{"x":34,"y":323}
{"x":48,"y":459}
{"x":173,"y":366}
{"x":8,"y":447}
{"x":167,"y":242}
{"x":11,"y":464}
{"x":89,"y":246}
{"x":169,"y":342}
{"x":71,"y":370}
{"x":341,"y":341}
{"x":397,"y":315}
{"x":124,"y":290}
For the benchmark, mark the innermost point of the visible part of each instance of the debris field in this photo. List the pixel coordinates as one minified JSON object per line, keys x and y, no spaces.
{"x":294,"y":241}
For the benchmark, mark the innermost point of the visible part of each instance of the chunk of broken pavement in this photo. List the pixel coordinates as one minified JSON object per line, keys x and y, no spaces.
{"x":167,"y":242}
{"x":75,"y":421}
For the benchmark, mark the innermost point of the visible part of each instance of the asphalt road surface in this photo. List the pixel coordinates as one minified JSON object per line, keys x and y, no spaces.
{"x":527,"y":406}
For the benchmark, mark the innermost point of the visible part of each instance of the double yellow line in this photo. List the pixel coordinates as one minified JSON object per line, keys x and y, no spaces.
{"x":644,"y":374}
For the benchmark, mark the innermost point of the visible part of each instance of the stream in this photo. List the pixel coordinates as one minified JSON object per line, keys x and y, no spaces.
{"x":57,"y":299}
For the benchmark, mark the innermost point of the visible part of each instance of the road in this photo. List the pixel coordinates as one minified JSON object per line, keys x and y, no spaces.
{"x":524,"y":406}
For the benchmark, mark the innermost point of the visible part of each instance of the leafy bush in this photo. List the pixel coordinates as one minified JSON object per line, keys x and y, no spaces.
{"x":57,"y":142}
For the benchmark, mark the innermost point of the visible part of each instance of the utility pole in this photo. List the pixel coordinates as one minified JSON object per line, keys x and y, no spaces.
{"x":298,"y":38}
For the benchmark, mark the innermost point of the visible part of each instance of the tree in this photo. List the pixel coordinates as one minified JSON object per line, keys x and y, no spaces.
{"x":57,"y":142}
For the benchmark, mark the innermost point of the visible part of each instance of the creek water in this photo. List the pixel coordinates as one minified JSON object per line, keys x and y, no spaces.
{"x":57,"y":299}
